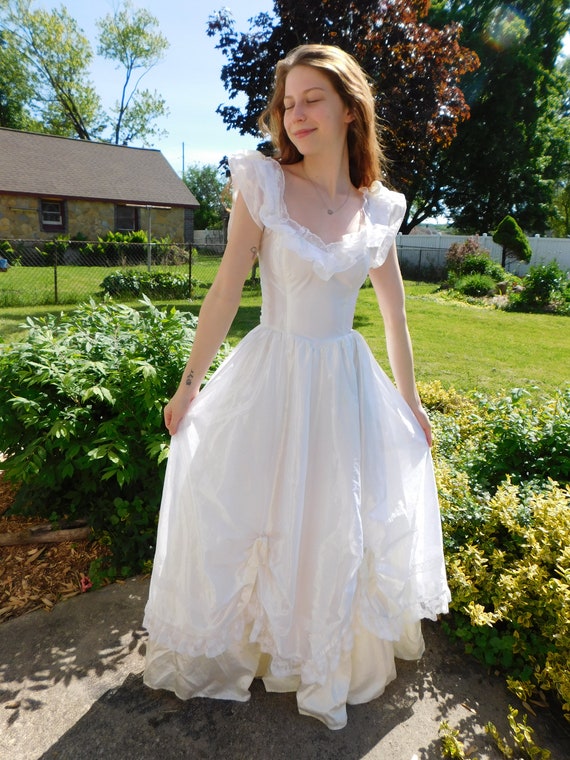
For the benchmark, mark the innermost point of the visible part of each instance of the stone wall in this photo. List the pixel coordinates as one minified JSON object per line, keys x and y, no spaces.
{"x":20,"y":220}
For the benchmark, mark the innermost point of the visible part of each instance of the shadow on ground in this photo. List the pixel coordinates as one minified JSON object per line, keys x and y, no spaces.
{"x":402,"y":723}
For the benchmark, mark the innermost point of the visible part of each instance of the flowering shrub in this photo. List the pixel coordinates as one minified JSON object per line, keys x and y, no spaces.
{"x":81,"y":419}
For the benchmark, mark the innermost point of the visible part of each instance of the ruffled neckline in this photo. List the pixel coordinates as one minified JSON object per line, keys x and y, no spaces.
{"x":347,"y":239}
{"x":261,"y":180}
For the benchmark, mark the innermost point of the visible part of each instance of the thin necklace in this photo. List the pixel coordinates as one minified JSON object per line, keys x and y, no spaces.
{"x":330,"y":211}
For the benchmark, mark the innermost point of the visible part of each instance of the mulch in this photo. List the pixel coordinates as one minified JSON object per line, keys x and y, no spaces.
{"x":38,"y":576}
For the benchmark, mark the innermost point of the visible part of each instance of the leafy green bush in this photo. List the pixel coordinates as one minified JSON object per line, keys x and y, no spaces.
{"x":514,"y":437}
{"x":458,"y":252}
{"x":166,"y":252}
{"x":6,"y":250}
{"x":121,"y":247}
{"x":152,"y":284}
{"x":506,"y":527}
{"x":508,"y":567}
{"x":470,"y":258}
{"x":53,"y":250}
{"x":81,"y":419}
{"x":471,"y":271}
{"x":475,"y":285}
{"x":546,"y":287}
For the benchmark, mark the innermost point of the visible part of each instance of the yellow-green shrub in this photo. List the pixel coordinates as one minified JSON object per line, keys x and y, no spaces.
{"x":507,"y":551}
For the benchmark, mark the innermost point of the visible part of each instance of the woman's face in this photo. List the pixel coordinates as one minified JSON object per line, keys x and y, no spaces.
{"x":315,"y":117}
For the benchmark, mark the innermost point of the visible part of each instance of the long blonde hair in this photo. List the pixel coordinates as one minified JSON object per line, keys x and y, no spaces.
{"x":350,"y":82}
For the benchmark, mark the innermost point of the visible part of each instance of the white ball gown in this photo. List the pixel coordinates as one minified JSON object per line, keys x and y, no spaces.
{"x":299,"y":536}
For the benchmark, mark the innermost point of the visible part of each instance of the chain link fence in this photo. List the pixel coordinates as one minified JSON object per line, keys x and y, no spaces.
{"x":38,"y":273}
{"x":62,"y":272}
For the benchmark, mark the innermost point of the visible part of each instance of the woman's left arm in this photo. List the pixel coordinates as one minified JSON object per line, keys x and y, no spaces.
{"x":389,"y":289}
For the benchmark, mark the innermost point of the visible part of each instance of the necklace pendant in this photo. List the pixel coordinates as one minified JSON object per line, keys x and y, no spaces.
{"x":330,"y":212}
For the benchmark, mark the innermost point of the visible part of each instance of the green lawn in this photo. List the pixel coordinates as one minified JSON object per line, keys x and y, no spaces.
{"x":464,"y":346}
{"x":470,"y":347}
{"x":32,"y":286}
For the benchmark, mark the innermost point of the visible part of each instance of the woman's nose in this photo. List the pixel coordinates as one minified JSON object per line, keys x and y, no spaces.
{"x":298,"y":112}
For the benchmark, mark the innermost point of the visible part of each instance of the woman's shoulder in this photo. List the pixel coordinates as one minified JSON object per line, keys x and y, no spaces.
{"x":379,"y":193}
{"x":259,"y":180}
{"x":253,"y":160}
{"x":384,"y":205}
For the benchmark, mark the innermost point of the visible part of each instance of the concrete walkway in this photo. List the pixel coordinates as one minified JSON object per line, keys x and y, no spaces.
{"x":71,"y":688}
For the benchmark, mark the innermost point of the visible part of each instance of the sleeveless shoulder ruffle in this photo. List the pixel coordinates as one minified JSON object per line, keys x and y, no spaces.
{"x":261,"y":182}
{"x":386,"y":210}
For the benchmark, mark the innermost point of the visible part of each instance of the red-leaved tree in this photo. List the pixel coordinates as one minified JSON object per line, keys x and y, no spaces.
{"x":416,"y":70}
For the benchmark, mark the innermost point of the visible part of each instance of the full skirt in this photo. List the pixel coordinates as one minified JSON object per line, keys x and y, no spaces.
{"x":299,"y":535}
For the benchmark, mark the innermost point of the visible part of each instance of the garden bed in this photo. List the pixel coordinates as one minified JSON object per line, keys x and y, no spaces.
{"x":38,"y":576}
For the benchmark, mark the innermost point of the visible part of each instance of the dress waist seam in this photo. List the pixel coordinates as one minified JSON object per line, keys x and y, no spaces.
{"x":312,"y":338}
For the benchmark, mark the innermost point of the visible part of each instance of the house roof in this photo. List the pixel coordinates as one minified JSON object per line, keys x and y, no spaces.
{"x":49,"y":166}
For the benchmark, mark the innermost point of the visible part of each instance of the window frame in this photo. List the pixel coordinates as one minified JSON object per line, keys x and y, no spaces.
{"x":48,"y":225}
{"x":134,"y":210}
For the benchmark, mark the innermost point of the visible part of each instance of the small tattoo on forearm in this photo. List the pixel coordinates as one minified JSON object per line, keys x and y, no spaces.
{"x":254,"y":252}
{"x":190,"y":377}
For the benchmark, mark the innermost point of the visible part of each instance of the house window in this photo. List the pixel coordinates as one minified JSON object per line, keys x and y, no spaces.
{"x":52,"y":215}
{"x":126,"y":218}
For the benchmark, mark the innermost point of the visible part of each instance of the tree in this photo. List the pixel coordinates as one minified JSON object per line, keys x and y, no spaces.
{"x":206,"y":184}
{"x":15,"y":88}
{"x":54,"y":57}
{"x":128,"y":36}
{"x":57,"y":57}
{"x":416,"y":70}
{"x":506,"y":158}
{"x":559,"y":212}
{"x":509,"y":235}
{"x":559,"y":218}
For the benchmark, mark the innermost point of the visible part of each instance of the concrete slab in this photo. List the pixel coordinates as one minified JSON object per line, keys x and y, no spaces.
{"x":71,"y":688}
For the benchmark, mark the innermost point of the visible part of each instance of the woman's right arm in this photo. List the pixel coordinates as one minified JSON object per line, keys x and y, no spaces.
{"x":218,"y":310}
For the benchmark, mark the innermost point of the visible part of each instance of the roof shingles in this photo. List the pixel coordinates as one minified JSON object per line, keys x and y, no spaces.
{"x":46,"y":165}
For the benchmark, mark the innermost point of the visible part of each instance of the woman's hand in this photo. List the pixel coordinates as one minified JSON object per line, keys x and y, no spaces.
{"x":423,"y":419}
{"x":176,"y":409}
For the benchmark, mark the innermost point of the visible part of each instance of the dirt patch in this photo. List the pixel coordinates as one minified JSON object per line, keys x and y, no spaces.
{"x":39,"y":576}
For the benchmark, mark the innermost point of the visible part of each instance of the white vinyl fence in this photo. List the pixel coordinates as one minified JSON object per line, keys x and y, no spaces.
{"x":426,"y":253}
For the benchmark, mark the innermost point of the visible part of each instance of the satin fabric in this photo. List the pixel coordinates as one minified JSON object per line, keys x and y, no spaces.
{"x":299,"y":536}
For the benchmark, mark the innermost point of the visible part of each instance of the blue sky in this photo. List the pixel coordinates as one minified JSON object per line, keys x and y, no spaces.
{"x":188,"y":78}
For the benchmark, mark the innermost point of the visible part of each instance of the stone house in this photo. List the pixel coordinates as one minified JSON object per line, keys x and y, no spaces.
{"x":53,"y":186}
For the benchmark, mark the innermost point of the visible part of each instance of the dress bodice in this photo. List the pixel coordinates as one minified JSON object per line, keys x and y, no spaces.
{"x":310,"y":288}
{"x":296,"y":300}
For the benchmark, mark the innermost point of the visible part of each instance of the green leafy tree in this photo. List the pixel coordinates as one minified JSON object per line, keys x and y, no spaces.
{"x":51,"y":86}
{"x":559,"y":218}
{"x":513,"y":240}
{"x":129,"y":37}
{"x":559,"y":212}
{"x":57,"y":56}
{"x":207,"y":185}
{"x":416,"y":70}
{"x":508,"y":156}
{"x":15,"y":88}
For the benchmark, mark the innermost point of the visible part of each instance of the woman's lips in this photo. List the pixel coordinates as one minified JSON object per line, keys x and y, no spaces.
{"x":303,"y":133}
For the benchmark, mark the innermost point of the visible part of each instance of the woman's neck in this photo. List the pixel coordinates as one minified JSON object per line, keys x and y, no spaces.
{"x":331,"y":176}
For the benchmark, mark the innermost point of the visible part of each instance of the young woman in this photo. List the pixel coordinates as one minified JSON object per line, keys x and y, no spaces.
{"x":299,"y":536}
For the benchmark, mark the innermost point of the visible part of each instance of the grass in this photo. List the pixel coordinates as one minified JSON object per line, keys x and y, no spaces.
{"x":30,"y":286}
{"x":474,"y":348}
{"x":464,"y":346}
